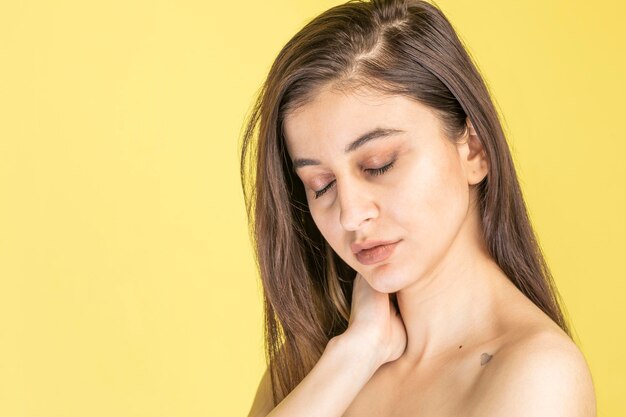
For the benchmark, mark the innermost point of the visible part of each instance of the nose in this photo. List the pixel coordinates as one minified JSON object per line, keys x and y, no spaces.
{"x":356,"y":202}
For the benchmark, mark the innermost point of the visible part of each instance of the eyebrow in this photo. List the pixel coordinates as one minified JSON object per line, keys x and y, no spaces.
{"x":376,"y":133}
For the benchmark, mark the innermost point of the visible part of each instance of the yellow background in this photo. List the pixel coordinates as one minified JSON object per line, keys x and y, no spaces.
{"x":127,"y":283}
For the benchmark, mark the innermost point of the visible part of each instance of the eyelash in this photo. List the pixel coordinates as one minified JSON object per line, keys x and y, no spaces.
{"x":375,"y":171}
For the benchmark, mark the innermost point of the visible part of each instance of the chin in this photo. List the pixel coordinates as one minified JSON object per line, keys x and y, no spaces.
{"x":383,"y":279}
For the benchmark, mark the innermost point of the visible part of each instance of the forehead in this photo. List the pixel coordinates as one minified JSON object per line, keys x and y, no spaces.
{"x":334,"y":116}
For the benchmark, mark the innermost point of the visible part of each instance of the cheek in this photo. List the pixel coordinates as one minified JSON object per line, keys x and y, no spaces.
{"x":330,"y":230}
{"x":433,"y":203}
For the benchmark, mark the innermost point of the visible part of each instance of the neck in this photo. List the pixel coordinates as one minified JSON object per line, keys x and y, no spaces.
{"x":456,"y":303}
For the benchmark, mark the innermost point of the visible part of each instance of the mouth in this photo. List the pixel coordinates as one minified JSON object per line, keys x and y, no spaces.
{"x":376,"y":254}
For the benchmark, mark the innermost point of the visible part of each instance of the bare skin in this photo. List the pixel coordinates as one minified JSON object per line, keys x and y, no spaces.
{"x":464,"y":340}
{"x":465,"y":380}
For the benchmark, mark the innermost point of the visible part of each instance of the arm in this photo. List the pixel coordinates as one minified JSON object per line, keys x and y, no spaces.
{"x":329,"y":388}
{"x":375,"y":336}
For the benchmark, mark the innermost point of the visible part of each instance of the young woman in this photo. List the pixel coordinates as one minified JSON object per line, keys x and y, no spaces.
{"x":401,"y":273}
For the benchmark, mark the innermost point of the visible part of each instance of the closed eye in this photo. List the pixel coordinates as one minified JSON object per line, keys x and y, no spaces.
{"x":372,"y":171}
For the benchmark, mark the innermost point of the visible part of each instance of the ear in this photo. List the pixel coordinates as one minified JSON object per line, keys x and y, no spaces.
{"x":473,"y":156}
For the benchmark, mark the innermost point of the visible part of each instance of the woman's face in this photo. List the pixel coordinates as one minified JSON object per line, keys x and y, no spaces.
{"x":419,"y":198}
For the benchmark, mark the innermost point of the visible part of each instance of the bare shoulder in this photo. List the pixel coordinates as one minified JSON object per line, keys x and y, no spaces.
{"x":540,"y":372}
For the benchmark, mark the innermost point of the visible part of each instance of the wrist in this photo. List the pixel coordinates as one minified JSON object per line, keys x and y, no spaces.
{"x":365,"y":349}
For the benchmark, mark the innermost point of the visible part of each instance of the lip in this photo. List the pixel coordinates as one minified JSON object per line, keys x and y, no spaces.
{"x":359,"y":246}
{"x":376,"y":253}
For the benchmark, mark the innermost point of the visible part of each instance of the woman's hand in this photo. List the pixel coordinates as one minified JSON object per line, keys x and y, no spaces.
{"x":375,"y":336}
{"x":375,"y":321}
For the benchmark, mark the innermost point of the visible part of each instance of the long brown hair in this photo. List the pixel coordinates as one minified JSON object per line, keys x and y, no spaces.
{"x":405,"y":47}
